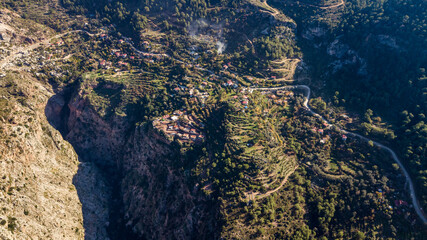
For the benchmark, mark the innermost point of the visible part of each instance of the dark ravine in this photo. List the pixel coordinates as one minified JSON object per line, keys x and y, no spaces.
{"x":159,"y":201}
{"x":94,"y":186}
{"x":149,"y":195}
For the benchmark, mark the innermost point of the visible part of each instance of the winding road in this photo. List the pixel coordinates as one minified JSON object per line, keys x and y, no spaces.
{"x":305,"y":88}
{"x":307,"y":91}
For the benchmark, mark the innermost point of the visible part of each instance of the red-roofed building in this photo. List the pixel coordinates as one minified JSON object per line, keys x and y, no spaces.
{"x":400,"y":203}
{"x":178,"y":112}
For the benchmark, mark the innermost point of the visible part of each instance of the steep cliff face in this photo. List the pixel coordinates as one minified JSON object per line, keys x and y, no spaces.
{"x":153,"y":197}
{"x":95,"y":138}
{"x":98,"y":142}
{"x":158,"y":199}
{"x":37,"y":197}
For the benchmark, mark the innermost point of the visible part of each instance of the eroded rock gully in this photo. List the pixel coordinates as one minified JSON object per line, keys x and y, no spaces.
{"x":136,"y":176}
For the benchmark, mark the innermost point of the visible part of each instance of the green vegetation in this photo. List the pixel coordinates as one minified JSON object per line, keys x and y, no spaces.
{"x":271,"y":169}
{"x":11,"y":225}
{"x":388,"y":73}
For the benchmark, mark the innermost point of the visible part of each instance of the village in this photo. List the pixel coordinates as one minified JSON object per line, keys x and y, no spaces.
{"x":114,"y":55}
{"x":180,"y":126}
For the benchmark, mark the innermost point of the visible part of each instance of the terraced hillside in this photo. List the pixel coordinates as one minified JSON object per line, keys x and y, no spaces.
{"x":188,"y":123}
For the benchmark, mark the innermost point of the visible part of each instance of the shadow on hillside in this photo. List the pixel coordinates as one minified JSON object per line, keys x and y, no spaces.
{"x":92,"y":187}
{"x":94,"y":195}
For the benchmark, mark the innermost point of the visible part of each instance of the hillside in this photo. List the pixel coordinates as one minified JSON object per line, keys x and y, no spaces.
{"x":33,"y":152}
{"x":367,"y":58}
{"x":209,"y":120}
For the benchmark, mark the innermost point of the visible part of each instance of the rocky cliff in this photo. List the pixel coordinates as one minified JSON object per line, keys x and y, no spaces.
{"x":95,"y":138}
{"x":38,"y":170}
{"x":152,"y":196}
{"x":159,"y":200}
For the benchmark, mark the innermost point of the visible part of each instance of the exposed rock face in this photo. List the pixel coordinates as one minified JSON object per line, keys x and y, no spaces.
{"x":337,"y":49}
{"x":158,"y":201}
{"x":388,"y":41}
{"x":314,"y":32}
{"x":37,"y":197}
{"x":13,"y":29}
{"x":95,"y":195}
{"x":95,"y":138}
{"x":53,"y":110}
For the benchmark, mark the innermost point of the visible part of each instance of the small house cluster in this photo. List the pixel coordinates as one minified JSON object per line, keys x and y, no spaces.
{"x":59,"y":43}
{"x":230,"y":83}
{"x":105,"y":64}
{"x":277,"y":100}
{"x":243,"y":101}
{"x":118,"y":54}
{"x":325,"y":137}
{"x":401,"y":207}
{"x":196,"y":94}
{"x":286,"y":94}
{"x":181,"y":126}
{"x":280,"y":97}
{"x":103,"y":36}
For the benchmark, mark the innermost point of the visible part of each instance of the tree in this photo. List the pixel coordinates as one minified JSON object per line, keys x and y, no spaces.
{"x":359,"y":236}
{"x":138,"y":21}
{"x":368,"y":115}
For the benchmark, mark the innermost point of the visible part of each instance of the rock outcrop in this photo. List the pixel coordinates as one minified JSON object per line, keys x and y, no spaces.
{"x":159,"y":200}
{"x":95,"y":138}
{"x":154,"y":198}
{"x":37,"y":196}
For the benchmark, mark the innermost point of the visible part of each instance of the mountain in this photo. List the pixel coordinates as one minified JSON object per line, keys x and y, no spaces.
{"x":212,"y":119}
